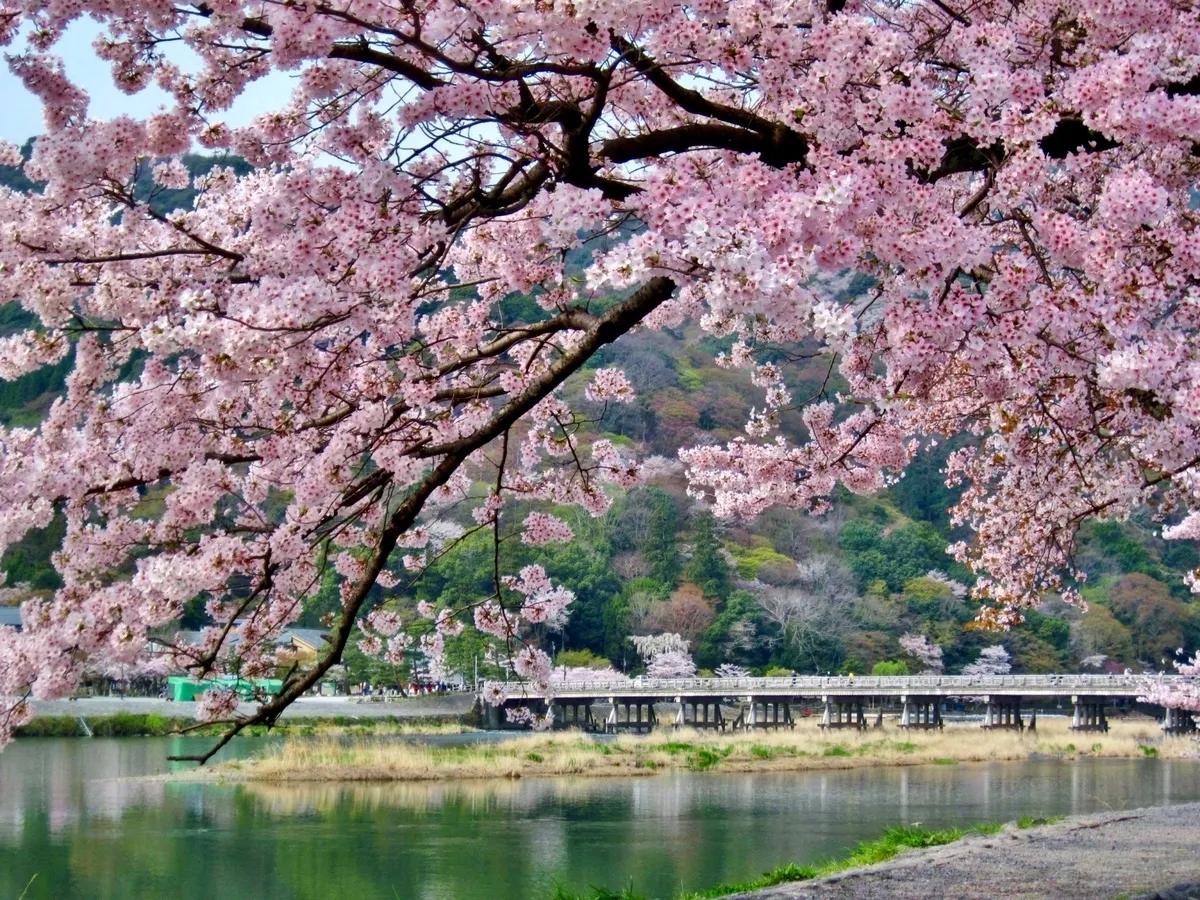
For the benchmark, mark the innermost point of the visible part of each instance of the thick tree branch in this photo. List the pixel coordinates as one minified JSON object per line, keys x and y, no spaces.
{"x":775,"y":148}
{"x":605,"y":329}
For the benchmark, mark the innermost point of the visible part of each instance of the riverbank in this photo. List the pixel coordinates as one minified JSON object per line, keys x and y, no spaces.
{"x":896,"y":840}
{"x":308,"y":707}
{"x":307,"y":717}
{"x":805,"y":748}
{"x":155,"y":725}
{"x":1142,"y":854}
{"x":1139,"y":853}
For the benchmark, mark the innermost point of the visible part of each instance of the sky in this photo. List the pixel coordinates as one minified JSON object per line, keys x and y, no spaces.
{"x":21,"y":112}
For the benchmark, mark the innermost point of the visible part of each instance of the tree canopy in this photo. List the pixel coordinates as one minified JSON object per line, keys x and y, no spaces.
{"x":324,"y":335}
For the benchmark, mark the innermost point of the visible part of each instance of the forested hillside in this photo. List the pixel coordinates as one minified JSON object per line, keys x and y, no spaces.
{"x":788,"y":591}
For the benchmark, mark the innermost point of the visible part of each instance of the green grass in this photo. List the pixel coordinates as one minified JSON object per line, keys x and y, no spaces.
{"x":674,"y":747}
{"x":1035,"y":821}
{"x":836,"y":750}
{"x":117,"y":725}
{"x":895,"y":840}
{"x":1148,"y":751}
{"x":704,"y":759}
{"x":945,"y":761}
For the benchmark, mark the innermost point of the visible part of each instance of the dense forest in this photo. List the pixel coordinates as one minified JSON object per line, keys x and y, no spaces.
{"x":786,"y":592}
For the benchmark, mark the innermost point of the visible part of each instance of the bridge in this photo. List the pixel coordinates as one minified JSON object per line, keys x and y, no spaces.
{"x":769,"y":702}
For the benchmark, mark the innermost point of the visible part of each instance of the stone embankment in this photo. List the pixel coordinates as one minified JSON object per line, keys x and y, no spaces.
{"x":1149,"y":854}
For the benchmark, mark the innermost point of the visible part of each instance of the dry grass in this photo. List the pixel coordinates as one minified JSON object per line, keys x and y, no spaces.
{"x":807,"y":747}
{"x":382,"y":728}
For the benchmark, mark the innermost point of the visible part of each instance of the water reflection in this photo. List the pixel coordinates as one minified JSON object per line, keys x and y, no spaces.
{"x":71,"y":813}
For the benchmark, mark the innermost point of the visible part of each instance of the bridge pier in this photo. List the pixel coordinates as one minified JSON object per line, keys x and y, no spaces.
{"x":639,"y":715}
{"x":706,"y":713}
{"x":1178,"y":721}
{"x":851,"y":708}
{"x":921,"y":712}
{"x":1089,"y":714}
{"x":495,"y":718}
{"x":574,"y":714}
{"x":1003,"y":713}
{"x":766,"y":713}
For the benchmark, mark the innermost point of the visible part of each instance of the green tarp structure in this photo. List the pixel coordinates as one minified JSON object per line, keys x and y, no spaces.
{"x":183,"y":689}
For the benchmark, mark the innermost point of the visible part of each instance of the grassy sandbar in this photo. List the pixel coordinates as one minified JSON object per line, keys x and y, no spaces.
{"x":807,"y":747}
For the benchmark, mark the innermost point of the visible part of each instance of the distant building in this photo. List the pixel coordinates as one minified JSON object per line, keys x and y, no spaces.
{"x":10,"y":615}
{"x":307,"y":643}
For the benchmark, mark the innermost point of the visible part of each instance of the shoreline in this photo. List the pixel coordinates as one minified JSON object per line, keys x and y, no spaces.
{"x":1140,"y":854}
{"x":156,"y":725}
{"x":563,"y":754}
{"x":156,"y":717}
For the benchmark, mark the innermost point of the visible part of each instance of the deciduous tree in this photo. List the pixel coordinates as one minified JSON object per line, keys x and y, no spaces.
{"x":992,"y":660}
{"x":1015,"y":178}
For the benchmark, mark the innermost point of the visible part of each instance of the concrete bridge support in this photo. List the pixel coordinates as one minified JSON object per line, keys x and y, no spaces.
{"x":705,"y":712}
{"x":574,"y":714}
{"x":843,"y":712}
{"x":1003,"y":712}
{"x":1178,"y":721}
{"x":1089,"y":715}
{"x":921,"y":712}
{"x":495,"y":718}
{"x":631,"y":714}
{"x":766,"y":713}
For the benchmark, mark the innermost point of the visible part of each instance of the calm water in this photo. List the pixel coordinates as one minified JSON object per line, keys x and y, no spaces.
{"x":68,"y":819}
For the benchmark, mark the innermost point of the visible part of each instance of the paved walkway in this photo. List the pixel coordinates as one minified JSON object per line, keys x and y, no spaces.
{"x":304,"y":708}
{"x":1140,"y":853}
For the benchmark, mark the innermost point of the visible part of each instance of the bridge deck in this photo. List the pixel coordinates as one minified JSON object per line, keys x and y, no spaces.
{"x":897,"y":686}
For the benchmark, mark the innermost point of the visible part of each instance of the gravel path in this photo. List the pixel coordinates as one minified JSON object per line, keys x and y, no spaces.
{"x":1139,"y":853}
{"x":304,"y":708}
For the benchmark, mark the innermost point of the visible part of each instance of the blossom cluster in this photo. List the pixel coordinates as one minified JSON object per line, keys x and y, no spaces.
{"x":327,"y":332}
{"x":927,"y":653}
{"x":666,"y":655}
{"x":993,"y":660}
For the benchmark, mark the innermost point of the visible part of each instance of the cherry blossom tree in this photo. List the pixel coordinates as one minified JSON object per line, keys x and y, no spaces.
{"x":666,"y":655}
{"x":926,"y":652}
{"x":325,"y":332}
{"x":1178,"y":696}
{"x":586,"y":675}
{"x":992,"y":660}
{"x":731,"y":670}
{"x":672,"y":664}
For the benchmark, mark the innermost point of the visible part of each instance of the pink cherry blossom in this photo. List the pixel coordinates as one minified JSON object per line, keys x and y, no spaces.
{"x":543,"y":528}
{"x":992,"y":660}
{"x":925,"y":651}
{"x":666,"y":655}
{"x":312,"y":363}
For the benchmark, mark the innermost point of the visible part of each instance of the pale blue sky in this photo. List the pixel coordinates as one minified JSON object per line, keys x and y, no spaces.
{"x":21,"y":112}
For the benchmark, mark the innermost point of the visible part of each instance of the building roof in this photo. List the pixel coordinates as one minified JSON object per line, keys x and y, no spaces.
{"x":312,"y":638}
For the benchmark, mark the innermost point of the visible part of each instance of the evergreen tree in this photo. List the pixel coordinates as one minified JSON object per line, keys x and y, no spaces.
{"x":707,"y":567}
{"x":661,"y":550}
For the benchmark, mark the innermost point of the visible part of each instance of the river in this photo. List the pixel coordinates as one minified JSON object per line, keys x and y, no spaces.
{"x":76,"y":824}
